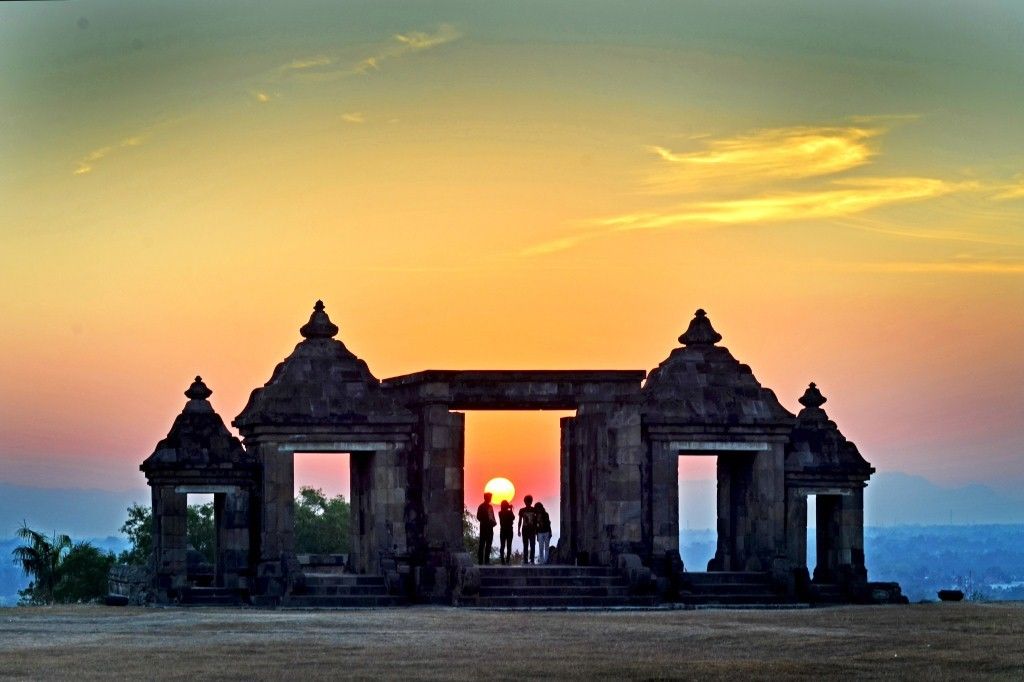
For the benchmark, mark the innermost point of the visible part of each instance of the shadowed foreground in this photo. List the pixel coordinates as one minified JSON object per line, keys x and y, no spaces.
{"x":935,"y":640}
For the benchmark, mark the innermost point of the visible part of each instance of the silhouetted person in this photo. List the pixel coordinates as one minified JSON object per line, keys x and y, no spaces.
{"x":528,"y":529}
{"x":485,"y":515}
{"x":507,"y":518}
{"x":543,"y":532}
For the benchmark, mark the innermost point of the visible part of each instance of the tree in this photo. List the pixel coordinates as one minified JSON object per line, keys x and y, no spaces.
{"x":202,"y":535}
{"x":83,"y":574}
{"x":139,"y":529}
{"x":470,"y":534}
{"x":40,"y":558}
{"x":322,"y":524}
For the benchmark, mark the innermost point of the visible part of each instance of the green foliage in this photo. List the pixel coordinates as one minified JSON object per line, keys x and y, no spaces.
{"x":83,"y":574}
{"x":322,"y":525}
{"x":470,"y":535}
{"x":60,"y":571}
{"x":139,"y":529}
{"x":40,"y":557}
{"x":202,"y":534}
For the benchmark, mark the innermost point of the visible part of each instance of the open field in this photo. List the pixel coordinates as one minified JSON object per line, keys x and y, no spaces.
{"x":931,"y":640}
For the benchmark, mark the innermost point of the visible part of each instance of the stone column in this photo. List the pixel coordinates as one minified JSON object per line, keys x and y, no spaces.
{"x":624,"y":486}
{"x":850,"y":543}
{"x":760,"y":512}
{"x":277,"y":520}
{"x":442,"y":496}
{"x":568,"y":497}
{"x":828,"y":538}
{"x":664,"y":500}
{"x":231,"y":513}
{"x":170,"y":541}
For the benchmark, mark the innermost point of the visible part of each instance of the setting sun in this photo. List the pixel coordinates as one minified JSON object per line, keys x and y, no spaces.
{"x":501,"y":490}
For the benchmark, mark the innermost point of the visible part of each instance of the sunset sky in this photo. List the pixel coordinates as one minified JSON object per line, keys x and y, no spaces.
{"x":513,"y":185}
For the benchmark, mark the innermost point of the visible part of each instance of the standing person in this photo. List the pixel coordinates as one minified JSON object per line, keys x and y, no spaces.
{"x":485,"y":515}
{"x":507,"y":518}
{"x":543,"y":532}
{"x":528,"y":529}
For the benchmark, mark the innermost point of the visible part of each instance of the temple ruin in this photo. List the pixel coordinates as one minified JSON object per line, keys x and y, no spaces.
{"x":618,"y":542}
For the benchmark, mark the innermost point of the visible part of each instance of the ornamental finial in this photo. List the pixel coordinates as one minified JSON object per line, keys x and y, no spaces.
{"x":319,"y":325}
{"x":700,"y":332}
{"x":812,"y":397}
{"x":198,"y":390}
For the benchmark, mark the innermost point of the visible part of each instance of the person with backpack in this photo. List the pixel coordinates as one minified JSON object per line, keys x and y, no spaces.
{"x":543,"y":532}
{"x":507,"y":518}
{"x":528,"y":529}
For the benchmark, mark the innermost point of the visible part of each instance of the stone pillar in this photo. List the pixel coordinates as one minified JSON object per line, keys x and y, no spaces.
{"x":568,"y":547}
{"x":379,"y":482}
{"x":840,"y":537}
{"x":231,"y":514}
{"x":277,"y":520}
{"x":796,"y":539}
{"x":442,"y":497}
{"x":752,"y":511}
{"x":624,"y":485}
{"x":665,"y":500}
{"x":828,"y":542}
{"x":170,"y":541}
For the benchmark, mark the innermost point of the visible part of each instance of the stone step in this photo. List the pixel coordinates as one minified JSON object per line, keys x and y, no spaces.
{"x":549,"y":591}
{"x":211,"y":596}
{"x":718,"y":577}
{"x":758,"y":598}
{"x":553,"y":581}
{"x":343,"y":579}
{"x":546,"y":571}
{"x":342,"y":590}
{"x":558,"y":602}
{"x":729,"y":588}
{"x":340,"y":601}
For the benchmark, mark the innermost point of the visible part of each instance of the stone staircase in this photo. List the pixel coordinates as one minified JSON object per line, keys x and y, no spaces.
{"x":211,"y":596}
{"x":553,"y":587}
{"x":334,"y":589}
{"x":729,"y":589}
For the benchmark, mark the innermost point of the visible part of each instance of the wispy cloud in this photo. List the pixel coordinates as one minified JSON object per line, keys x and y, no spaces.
{"x":1013,"y":190}
{"x":773,"y":175}
{"x":776,"y":153}
{"x":951,"y":266}
{"x":327,"y":67}
{"x":353,"y":117}
{"x":844,"y":198}
{"x":88,"y":162}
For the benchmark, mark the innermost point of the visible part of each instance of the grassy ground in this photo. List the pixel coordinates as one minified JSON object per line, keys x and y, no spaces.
{"x":934,"y":641}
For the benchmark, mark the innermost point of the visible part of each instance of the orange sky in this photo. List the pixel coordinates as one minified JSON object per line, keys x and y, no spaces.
{"x":469,"y":188}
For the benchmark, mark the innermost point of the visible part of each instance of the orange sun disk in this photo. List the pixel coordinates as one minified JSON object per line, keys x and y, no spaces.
{"x":501,"y":489}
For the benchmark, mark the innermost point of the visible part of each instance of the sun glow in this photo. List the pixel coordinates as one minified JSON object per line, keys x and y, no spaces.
{"x":501,"y":490}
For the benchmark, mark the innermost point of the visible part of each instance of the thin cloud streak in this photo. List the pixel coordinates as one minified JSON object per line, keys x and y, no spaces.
{"x":768,"y":154}
{"x":88,"y":162}
{"x":976,"y":267}
{"x":327,"y":68}
{"x":853,"y":197}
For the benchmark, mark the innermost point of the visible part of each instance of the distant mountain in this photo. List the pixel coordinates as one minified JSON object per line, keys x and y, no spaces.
{"x":894,"y":498}
{"x":75,"y":511}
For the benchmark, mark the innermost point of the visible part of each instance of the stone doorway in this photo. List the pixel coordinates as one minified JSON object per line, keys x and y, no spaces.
{"x":522,"y":446}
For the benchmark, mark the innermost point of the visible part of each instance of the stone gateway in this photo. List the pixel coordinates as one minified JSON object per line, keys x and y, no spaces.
{"x":619,"y":535}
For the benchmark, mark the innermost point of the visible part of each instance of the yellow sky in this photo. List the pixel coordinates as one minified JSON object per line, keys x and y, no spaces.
{"x":468,"y":188}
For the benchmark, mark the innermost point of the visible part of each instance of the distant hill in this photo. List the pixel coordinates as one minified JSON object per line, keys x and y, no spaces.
{"x":76,"y":511}
{"x":893,"y":498}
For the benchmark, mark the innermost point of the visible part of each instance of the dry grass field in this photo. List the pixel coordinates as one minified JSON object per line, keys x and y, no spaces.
{"x":932,"y":641}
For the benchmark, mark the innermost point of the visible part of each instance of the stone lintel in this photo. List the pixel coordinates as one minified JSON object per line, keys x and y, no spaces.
{"x":200,"y":489}
{"x":337,"y":446}
{"x":719,"y":446}
{"x":515,"y":389}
